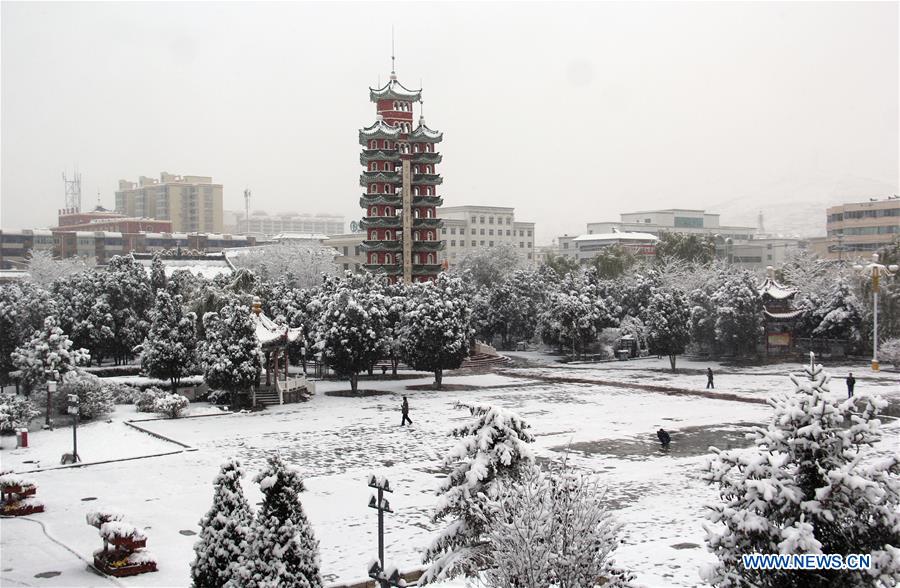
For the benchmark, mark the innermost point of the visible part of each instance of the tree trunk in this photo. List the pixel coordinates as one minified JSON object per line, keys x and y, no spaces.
{"x":354,"y":377}
{"x":672,"y":362}
{"x":174,"y":385}
{"x":438,"y":376}
{"x":394,"y":362}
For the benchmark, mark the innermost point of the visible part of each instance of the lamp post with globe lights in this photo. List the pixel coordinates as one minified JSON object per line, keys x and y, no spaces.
{"x":875,"y":271}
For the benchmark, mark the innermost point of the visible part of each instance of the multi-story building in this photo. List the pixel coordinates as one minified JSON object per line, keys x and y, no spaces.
{"x":400,"y":182}
{"x":673,"y":220}
{"x":468,"y":228}
{"x":585,"y":247}
{"x":763,"y":251}
{"x":351,"y":256}
{"x":861,"y":227}
{"x":264,"y":224}
{"x":99,"y":246}
{"x":192,"y":203}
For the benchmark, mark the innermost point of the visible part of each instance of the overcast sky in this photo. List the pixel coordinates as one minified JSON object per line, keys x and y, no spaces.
{"x":569,"y":112}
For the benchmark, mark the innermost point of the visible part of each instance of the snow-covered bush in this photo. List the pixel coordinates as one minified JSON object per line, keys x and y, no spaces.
{"x":230,"y":353}
{"x":811,"y":483}
{"x":492,"y":449}
{"x":218,"y":396}
{"x":96,"y":518}
{"x":574,"y":315}
{"x":49,"y":351}
{"x":122,"y":393}
{"x":15,"y":411}
{"x":23,"y":308}
{"x":145,"y":400}
{"x":551,"y":530}
{"x":890,"y":352}
{"x":841,"y":315}
{"x":225,"y":539}
{"x":171,"y":405}
{"x":94,"y":398}
{"x":284,"y":551}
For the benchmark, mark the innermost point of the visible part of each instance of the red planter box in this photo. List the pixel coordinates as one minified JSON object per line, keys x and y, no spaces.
{"x":103,"y":562}
{"x":23,"y":510}
{"x":19,"y":490}
{"x":129,"y":543}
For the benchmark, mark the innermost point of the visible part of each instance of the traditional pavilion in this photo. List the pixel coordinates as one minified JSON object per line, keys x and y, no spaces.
{"x":400,"y":199}
{"x":274,"y":339}
{"x":780,"y":315}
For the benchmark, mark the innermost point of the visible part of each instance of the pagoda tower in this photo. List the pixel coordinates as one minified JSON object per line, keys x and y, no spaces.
{"x":403,"y":233}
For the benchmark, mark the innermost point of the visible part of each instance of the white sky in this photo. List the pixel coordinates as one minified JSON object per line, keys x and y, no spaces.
{"x":570,"y":112}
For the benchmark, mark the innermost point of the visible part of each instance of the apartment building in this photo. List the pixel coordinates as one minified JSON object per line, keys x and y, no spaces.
{"x":264,"y":224}
{"x":673,"y":220}
{"x":192,"y":203}
{"x":467,"y":228}
{"x":861,"y":227}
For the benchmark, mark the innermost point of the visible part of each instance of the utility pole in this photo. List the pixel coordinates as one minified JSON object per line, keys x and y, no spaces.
{"x":247,"y":211}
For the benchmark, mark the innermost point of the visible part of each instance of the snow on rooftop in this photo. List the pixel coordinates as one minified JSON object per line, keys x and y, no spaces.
{"x":618,"y":237}
{"x":380,"y":126}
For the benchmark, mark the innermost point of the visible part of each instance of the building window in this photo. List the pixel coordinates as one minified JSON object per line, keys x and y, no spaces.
{"x":529,"y":256}
{"x":473,"y":243}
{"x":443,"y":231}
{"x":473,"y":232}
{"x":482,"y":231}
{"x":521,"y":245}
{"x":482,"y":220}
{"x":490,"y":244}
{"x":490,"y":220}
{"x":482,"y":243}
{"x":345,"y":252}
{"x":507,"y":232}
{"x":474,"y":219}
{"x":529,"y":233}
{"x":508,"y":220}
{"x":452,"y":243}
{"x":491,"y":232}
{"x":529,"y":245}
{"x":453,"y":231}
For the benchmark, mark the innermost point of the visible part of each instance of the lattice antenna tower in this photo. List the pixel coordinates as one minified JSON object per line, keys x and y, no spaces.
{"x":73,"y":191}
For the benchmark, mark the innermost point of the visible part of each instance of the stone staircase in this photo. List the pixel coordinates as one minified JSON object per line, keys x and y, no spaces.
{"x":267,"y":397}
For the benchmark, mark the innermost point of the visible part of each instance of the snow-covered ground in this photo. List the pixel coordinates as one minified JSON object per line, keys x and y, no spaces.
{"x":336,"y":441}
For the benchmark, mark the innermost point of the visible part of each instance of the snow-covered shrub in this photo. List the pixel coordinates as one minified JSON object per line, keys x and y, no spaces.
{"x":15,"y":411}
{"x":169,"y":351}
{"x":492,"y":449}
{"x":230,"y":354}
{"x":171,"y":405}
{"x":94,"y":398}
{"x":811,"y":483}
{"x":145,"y":400}
{"x":122,"y":393}
{"x":96,"y":518}
{"x":225,"y":539}
{"x":284,"y":551}
{"x":551,"y":530}
{"x":218,"y":396}
{"x":890,"y":352}
{"x":118,"y":529}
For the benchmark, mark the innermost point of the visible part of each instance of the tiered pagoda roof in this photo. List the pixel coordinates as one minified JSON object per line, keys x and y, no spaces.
{"x":422,"y":134}
{"x":394,"y":90}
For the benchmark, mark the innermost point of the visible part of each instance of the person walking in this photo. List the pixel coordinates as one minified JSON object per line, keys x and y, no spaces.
{"x":709,"y":379}
{"x":404,"y":408}
{"x":851,"y":382}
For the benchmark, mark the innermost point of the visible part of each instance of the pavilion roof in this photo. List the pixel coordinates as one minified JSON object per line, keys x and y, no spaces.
{"x":271,"y":334}
{"x":394,"y":90}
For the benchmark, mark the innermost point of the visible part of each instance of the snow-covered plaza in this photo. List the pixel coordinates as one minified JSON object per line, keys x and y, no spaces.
{"x":603,"y":417}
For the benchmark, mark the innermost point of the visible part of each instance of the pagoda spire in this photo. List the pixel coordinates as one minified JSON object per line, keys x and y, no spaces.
{"x":393,"y":69}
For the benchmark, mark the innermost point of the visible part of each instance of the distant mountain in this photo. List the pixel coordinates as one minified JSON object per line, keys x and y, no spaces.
{"x":791,"y":209}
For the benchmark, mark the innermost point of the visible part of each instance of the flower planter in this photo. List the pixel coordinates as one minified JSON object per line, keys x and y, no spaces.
{"x":128,"y":543}
{"x":21,"y":509}
{"x":115,"y":563}
{"x":19,"y":489}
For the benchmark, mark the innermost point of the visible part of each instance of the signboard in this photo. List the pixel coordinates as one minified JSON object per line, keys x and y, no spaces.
{"x":779,"y":340}
{"x":73,"y":410}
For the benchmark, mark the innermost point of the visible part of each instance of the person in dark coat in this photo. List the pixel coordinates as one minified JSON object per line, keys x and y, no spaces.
{"x":851,"y":382}
{"x":404,"y":408}
{"x":709,"y":378}
{"x":664,"y":438}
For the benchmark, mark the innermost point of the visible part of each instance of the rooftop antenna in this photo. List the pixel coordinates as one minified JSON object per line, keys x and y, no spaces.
{"x":393,"y":71}
{"x":73,"y":191}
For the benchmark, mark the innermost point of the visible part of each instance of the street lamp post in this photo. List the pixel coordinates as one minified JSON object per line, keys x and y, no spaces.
{"x":875,"y":271}
{"x":377,"y":569}
{"x":51,"y":390}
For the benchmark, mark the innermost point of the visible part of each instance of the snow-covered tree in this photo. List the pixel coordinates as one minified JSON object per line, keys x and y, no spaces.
{"x":488,"y":265}
{"x":703,"y":319}
{"x":15,"y":411}
{"x":435,"y":327}
{"x":43,"y":270}
{"x":170,"y":348}
{"x":306,"y":263}
{"x":23,"y":308}
{"x":738,"y":312}
{"x":130,"y":298}
{"x":668,"y":324}
{"x":171,"y":405}
{"x":889,"y":351}
{"x":841,"y":315}
{"x":230,"y":353}
{"x":687,"y":247}
{"x":574,"y":315}
{"x":551,"y":529}
{"x":157,"y":275}
{"x":47,"y":355}
{"x":513,"y":306}
{"x":492,"y":449}
{"x":349,"y":331}
{"x":811,"y":483}
{"x":284,"y":550}
{"x":85,"y":313}
{"x":225,"y":536}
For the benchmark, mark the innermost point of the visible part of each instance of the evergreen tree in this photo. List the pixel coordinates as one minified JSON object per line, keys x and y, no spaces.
{"x":738,"y":312}
{"x":435,"y":327}
{"x":840,"y":316}
{"x":130,"y":299}
{"x":285,"y":551}
{"x":225,"y":539}
{"x":157,"y":275}
{"x":47,"y":355}
{"x":574,"y":315}
{"x":23,"y":308}
{"x":486,"y":266}
{"x":668,"y":324}
{"x":170,"y":347}
{"x":703,"y":320}
{"x":513,"y":306}
{"x":350,"y":330}
{"x":492,"y":449}
{"x":230,"y":353}
{"x":811,"y":483}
